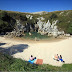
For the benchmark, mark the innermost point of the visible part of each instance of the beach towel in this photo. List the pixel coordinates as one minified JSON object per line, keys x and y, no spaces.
{"x":39,"y":61}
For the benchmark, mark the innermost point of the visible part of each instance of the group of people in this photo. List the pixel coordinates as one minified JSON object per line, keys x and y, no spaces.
{"x":58,"y":58}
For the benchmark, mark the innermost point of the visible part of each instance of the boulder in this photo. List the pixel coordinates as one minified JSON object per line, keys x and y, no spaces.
{"x":55,"y":34}
{"x":30,"y":34}
{"x":67,"y":35}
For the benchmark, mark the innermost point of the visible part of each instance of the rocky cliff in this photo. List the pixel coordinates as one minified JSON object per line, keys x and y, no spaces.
{"x":49,"y":23}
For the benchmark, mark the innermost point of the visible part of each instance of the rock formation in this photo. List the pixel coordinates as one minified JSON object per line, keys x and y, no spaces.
{"x":18,"y":31}
{"x":43,"y":28}
{"x":29,"y":16}
{"x":41,"y":18}
{"x":48,"y":28}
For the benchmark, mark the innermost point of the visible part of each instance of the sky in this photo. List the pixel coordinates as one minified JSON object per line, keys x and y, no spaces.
{"x":35,"y":5}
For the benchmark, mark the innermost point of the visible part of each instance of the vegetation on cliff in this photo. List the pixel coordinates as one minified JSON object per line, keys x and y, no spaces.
{"x":8,"y":19}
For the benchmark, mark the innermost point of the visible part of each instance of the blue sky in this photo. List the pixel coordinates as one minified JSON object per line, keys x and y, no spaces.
{"x":35,"y":5}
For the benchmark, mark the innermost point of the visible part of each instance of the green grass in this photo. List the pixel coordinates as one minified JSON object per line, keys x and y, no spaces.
{"x":8,"y":63}
{"x":35,"y":34}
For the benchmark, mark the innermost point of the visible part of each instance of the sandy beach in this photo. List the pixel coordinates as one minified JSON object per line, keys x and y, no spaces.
{"x":41,"y":49}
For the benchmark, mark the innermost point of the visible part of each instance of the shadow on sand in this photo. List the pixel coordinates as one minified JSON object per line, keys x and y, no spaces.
{"x":13,"y":49}
{"x":2,"y":44}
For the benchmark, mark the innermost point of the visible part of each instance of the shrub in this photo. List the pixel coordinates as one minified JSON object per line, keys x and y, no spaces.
{"x":23,"y":18}
{"x":7,"y":23}
{"x":69,"y":30}
{"x":53,"y":16}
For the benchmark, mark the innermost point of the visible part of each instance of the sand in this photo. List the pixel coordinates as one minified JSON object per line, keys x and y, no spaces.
{"x":42,"y":50}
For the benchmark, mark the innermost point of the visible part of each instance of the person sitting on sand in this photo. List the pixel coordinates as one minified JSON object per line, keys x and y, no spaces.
{"x":60,"y":58}
{"x":56,"y":57}
{"x":31,"y":57}
{"x":31,"y":60}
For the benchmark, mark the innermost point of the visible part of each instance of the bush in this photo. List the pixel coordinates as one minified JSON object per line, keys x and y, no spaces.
{"x":5,"y":61}
{"x":69,"y":30}
{"x":23,"y":18}
{"x":7,"y":23}
{"x":35,"y":34}
{"x":53,"y":16}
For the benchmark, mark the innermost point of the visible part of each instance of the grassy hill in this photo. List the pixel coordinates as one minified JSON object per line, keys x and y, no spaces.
{"x":8,"y":19}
